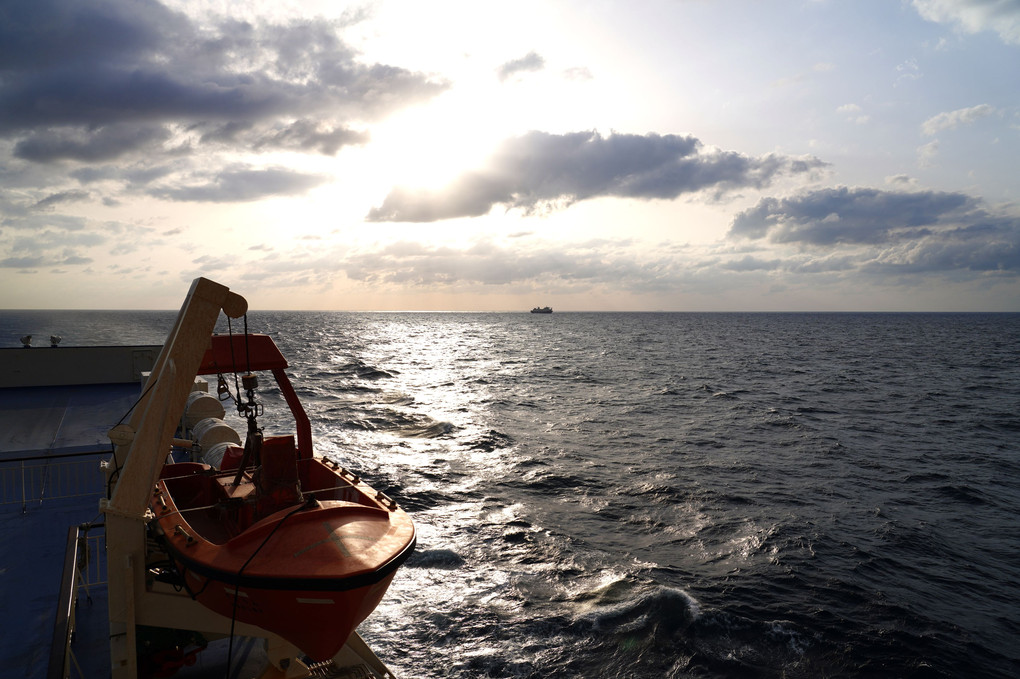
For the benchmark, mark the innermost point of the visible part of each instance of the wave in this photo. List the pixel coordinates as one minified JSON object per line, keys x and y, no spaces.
{"x":402,"y":424}
{"x":805,"y":477}
{"x":364,"y":371}
{"x":426,"y":429}
{"x":445,"y":559}
{"x":490,"y":441}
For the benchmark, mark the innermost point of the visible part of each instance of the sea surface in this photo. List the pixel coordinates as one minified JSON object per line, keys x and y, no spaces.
{"x":669,"y":494}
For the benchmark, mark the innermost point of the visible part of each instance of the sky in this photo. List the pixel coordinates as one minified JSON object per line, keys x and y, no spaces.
{"x":677,"y":155}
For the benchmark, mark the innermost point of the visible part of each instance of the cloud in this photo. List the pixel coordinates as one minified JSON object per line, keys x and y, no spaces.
{"x":98,"y":81}
{"x":974,"y":16}
{"x":131,"y":97}
{"x":854,"y":113}
{"x":579,"y":73}
{"x":49,"y":246}
{"x":490,"y":266}
{"x":908,"y":70}
{"x":136,"y":175}
{"x":991,"y":247}
{"x":241,"y":185}
{"x":752,"y":263}
{"x":927,"y":153}
{"x":299,"y":135}
{"x":953,"y":119}
{"x":483,"y":266}
{"x":848,"y":215}
{"x":983,"y":248}
{"x":529,"y":63}
{"x":89,"y":146}
{"x":890,"y":231}
{"x":542,"y":171}
{"x":61,"y":197}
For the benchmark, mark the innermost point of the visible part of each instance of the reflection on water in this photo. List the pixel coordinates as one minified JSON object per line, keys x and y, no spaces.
{"x":704,"y":495}
{"x":655,"y":495}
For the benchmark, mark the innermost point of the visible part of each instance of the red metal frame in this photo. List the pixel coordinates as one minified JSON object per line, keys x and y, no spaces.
{"x":241,"y":353}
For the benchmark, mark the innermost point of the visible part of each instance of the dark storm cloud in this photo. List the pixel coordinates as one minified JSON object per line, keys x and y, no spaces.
{"x":530,"y":62}
{"x":541,"y":171}
{"x":242,"y":185}
{"x":889,"y":231}
{"x":79,"y":73}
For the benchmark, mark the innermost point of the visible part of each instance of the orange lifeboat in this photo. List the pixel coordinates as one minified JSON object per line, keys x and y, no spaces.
{"x":294,"y":544}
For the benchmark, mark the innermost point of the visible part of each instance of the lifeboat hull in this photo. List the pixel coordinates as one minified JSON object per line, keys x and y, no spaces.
{"x":308,"y":567}
{"x":318,"y":622}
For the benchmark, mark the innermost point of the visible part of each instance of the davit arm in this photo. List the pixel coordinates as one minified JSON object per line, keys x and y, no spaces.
{"x":141,"y":449}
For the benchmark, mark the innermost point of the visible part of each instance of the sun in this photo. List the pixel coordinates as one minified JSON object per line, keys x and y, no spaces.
{"x":429,"y":145}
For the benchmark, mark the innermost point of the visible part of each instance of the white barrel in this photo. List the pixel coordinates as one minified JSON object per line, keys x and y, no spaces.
{"x":213,"y":430}
{"x":201,"y":405}
{"x":213,"y":456}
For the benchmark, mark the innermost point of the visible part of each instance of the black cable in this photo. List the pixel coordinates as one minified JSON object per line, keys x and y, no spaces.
{"x":233,"y":363}
{"x":247,"y":350}
{"x":148,"y":387}
{"x":237,"y":585}
{"x":115,"y":474}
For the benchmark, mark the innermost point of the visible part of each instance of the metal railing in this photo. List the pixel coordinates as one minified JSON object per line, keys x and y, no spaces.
{"x":92,"y":561}
{"x":84,"y":566}
{"x":35,"y":479}
{"x":63,"y":626}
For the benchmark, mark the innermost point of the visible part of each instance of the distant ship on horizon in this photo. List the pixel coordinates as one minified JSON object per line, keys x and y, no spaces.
{"x":542,"y":310}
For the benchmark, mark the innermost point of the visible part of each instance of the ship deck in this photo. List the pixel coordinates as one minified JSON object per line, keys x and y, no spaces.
{"x":55,"y":412}
{"x":52,"y":439}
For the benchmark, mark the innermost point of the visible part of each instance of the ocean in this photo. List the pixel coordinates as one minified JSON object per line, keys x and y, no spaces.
{"x":669,"y":494}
